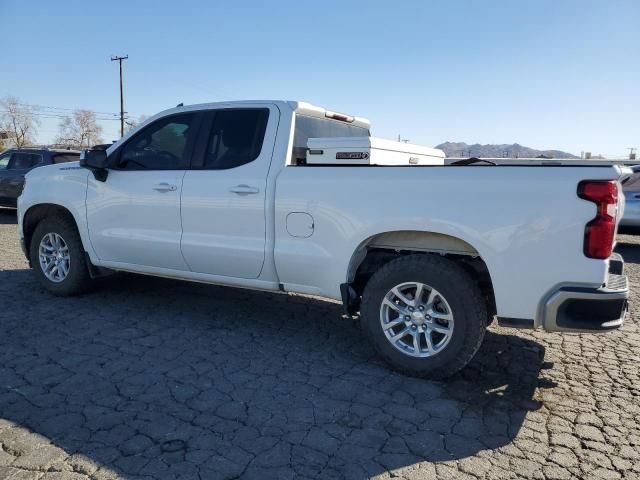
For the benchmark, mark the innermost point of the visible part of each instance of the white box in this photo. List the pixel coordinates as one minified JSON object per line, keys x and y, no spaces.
{"x":369,"y":151}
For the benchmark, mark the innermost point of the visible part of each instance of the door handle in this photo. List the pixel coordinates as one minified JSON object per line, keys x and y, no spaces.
{"x":164,"y":187}
{"x":244,"y":189}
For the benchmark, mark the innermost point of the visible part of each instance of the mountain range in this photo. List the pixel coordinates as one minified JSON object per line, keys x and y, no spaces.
{"x":462,"y":149}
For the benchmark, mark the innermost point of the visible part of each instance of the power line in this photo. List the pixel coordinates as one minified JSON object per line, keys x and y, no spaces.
{"x":46,"y":107}
{"x":59,"y":116}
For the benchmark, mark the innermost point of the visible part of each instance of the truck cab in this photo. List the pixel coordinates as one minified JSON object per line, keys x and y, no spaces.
{"x":212,"y":162}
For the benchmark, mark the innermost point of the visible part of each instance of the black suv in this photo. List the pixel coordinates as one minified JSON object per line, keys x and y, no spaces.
{"x":15,"y":163}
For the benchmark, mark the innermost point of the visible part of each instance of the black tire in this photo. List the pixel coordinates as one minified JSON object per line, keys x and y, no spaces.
{"x":78,"y":279}
{"x":468,"y":307}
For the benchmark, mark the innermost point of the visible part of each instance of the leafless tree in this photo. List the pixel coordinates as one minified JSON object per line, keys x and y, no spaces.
{"x":3,"y":140}
{"x":18,"y":121}
{"x":80,"y":130}
{"x":132,"y":123}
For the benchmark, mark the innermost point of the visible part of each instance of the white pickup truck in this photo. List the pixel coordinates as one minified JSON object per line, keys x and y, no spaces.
{"x":285,"y":196}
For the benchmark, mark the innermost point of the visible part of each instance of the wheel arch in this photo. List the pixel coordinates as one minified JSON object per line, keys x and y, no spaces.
{"x":36,"y":213}
{"x":383,"y":247}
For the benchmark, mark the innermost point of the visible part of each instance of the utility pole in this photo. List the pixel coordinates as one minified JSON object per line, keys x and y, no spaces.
{"x":119,"y":60}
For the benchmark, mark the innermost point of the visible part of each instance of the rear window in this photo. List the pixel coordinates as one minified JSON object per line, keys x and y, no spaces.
{"x":66,"y":157}
{"x":313,"y":127}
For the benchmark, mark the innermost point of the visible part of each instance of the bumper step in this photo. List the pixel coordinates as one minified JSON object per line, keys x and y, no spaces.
{"x":616,"y":264}
{"x":616,"y":282}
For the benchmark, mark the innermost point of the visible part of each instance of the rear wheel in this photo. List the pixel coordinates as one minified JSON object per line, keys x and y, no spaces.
{"x":58,"y":258}
{"x":424,"y":315}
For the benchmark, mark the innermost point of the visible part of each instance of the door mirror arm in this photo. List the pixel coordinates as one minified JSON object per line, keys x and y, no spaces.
{"x":96,"y":160}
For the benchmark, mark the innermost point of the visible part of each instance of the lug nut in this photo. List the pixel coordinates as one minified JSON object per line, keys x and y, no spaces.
{"x":421,"y":307}
{"x":411,"y":309}
{"x":407,"y":317}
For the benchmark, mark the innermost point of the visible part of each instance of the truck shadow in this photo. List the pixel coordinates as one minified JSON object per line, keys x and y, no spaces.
{"x":8,"y":216}
{"x":629,"y":251}
{"x":154,"y":377}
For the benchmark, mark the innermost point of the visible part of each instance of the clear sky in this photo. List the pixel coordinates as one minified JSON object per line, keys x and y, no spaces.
{"x":559,"y":74}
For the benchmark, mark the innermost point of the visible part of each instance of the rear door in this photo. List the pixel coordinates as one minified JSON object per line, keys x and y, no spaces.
{"x":224,"y":193}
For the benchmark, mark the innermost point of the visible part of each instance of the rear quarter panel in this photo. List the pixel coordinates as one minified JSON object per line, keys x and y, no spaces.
{"x":527,"y":223}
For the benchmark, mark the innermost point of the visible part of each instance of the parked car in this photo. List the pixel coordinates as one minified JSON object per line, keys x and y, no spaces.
{"x":289,"y":197}
{"x":631,"y":189}
{"x":16,"y":163}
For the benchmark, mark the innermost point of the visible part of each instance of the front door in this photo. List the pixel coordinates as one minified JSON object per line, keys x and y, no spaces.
{"x":224,"y":194}
{"x":134,"y":216}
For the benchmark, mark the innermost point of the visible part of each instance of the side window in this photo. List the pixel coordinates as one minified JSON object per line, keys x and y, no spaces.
{"x":160,"y":146}
{"x":23,"y":161}
{"x":236,"y":137}
{"x":4,"y":161}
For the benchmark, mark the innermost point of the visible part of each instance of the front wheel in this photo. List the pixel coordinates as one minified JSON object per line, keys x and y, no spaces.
{"x":424,"y":315}
{"x":58,"y":258}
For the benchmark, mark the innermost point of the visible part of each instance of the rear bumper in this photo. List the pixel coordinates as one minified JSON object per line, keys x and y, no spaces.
{"x":579,"y":309}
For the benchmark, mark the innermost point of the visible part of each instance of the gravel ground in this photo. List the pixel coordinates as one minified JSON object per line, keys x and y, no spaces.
{"x":151,"y":378}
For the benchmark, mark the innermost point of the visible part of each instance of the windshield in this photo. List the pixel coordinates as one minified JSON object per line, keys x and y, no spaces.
{"x":313,"y":127}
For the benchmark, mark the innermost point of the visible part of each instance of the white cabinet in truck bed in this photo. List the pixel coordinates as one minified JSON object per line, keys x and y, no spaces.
{"x":369,"y":151}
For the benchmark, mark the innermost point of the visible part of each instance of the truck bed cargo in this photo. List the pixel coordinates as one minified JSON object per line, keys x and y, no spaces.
{"x":369,"y":151}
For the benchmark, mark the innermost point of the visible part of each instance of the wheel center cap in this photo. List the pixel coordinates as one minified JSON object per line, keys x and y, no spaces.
{"x":418,"y":317}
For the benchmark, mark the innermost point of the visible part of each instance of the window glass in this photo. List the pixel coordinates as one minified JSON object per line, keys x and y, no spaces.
{"x":4,"y":161}
{"x":236,"y":137}
{"x":23,"y":161}
{"x":66,"y":157}
{"x":160,"y":146}
{"x":313,"y":127}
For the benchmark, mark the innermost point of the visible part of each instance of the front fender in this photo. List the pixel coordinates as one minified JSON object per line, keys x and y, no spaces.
{"x":63,"y":186}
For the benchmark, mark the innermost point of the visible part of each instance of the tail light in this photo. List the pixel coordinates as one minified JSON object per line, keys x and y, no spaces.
{"x":600,"y":232}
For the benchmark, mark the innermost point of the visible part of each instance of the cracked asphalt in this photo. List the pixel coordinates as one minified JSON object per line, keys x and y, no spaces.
{"x":157,"y":379}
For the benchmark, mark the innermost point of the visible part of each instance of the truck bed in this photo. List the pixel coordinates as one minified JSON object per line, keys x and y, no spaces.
{"x":521,"y":221}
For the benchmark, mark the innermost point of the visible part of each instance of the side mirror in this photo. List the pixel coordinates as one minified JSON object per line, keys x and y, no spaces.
{"x":96,"y":161}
